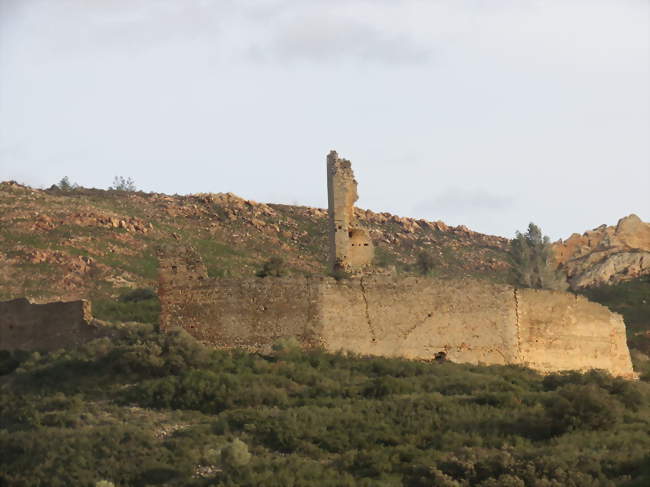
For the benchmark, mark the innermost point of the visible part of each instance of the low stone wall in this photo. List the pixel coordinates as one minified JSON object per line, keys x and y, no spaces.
{"x":471,"y":321}
{"x":28,"y":326}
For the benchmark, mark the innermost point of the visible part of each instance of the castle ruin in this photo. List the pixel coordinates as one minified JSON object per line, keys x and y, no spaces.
{"x":466,"y":320}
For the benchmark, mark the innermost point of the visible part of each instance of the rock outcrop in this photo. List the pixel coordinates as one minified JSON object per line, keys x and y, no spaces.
{"x":607,"y":254}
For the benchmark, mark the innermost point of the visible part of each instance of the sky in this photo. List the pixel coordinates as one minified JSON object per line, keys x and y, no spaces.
{"x":485,"y":113}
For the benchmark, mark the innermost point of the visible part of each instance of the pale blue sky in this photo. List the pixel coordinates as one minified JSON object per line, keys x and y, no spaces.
{"x":484,"y":113}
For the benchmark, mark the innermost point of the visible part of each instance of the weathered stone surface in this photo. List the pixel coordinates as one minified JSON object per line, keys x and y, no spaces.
{"x":471,"y":321}
{"x":350,"y":245}
{"x":560,"y":331}
{"x":50,"y":326}
{"x":606,"y":255}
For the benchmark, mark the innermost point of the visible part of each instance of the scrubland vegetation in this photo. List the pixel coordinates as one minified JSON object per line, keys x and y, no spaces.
{"x":160,"y":409}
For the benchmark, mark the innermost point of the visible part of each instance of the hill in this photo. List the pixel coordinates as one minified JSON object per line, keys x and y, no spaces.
{"x":93,"y":243}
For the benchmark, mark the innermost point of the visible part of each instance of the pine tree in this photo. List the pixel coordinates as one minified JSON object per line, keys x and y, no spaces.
{"x":532,"y":261}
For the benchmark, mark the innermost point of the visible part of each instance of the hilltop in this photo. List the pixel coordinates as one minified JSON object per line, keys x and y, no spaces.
{"x":96,"y":243}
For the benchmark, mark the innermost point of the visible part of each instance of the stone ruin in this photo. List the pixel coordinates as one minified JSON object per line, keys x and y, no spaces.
{"x":350,"y":247}
{"x":29,"y":326}
{"x":462,"y":320}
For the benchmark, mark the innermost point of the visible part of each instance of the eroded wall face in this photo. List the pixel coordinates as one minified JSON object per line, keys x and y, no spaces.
{"x":249,"y":313}
{"x":417,"y":318}
{"x":27,"y":326}
{"x":471,"y":321}
{"x":562,"y":331}
{"x":350,"y":246}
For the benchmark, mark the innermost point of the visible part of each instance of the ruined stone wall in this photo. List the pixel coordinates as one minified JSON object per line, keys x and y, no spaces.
{"x":250,"y":313}
{"x":27,"y":326}
{"x":560,"y":331}
{"x":350,"y":246}
{"x":471,"y":321}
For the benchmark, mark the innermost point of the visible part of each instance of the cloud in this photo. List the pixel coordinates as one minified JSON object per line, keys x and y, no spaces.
{"x":333,"y":37}
{"x":459,"y":201}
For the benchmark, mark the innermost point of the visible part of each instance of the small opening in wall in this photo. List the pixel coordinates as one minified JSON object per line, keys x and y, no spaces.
{"x":365,"y":245}
{"x":174,"y":269}
{"x":441,"y":356}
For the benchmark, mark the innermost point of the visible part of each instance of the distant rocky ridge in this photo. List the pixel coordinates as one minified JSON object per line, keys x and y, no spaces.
{"x":606,"y":254}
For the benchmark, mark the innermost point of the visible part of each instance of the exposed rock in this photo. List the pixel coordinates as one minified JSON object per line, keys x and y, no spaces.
{"x":606,"y":254}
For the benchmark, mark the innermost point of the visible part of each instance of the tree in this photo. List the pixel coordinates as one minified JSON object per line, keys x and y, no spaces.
{"x":123,"y":184}
{"x":532,"y":262}
{"x":66,"y":185}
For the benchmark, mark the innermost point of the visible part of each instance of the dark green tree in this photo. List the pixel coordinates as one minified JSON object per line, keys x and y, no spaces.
{"x":533,"y":266}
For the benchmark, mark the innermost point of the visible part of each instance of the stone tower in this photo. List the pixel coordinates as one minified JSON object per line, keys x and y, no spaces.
{"x":350,"y":247}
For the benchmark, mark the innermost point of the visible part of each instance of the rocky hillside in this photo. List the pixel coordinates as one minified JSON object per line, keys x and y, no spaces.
{"x":607,"y":254}
{"x":95,"y":244}
{"x":89,"y":243}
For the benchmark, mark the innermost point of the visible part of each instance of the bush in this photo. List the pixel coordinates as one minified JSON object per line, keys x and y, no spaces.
{"x":582,"y":407}
{"x":339,"y":274}
{"x":274,"y":267}
{"x":126,"y":310}
{"x":137,"y":295}
{"x":235,"y":454}
{"x":425,"y":263}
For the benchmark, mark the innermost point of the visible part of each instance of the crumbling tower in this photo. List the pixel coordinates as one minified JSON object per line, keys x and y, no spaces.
{"x":350,"y":247}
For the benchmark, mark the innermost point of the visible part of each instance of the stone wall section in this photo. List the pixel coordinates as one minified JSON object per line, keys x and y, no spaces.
{"x":47,"y":327}
{"x":470,"y":321}
{"x":248,"y":313}
{"x":562,"y":331}
{"x":417,"y":318}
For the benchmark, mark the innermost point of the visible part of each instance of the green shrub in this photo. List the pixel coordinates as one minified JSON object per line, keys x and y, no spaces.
{"x":137,"y":295}
{"x":425,"y":263}
{"x":127,"y":310}
{"x":235,"y":454}
{"x":274,"y":267}
{"x":147,"y":408}
{"x":582,"y":407}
